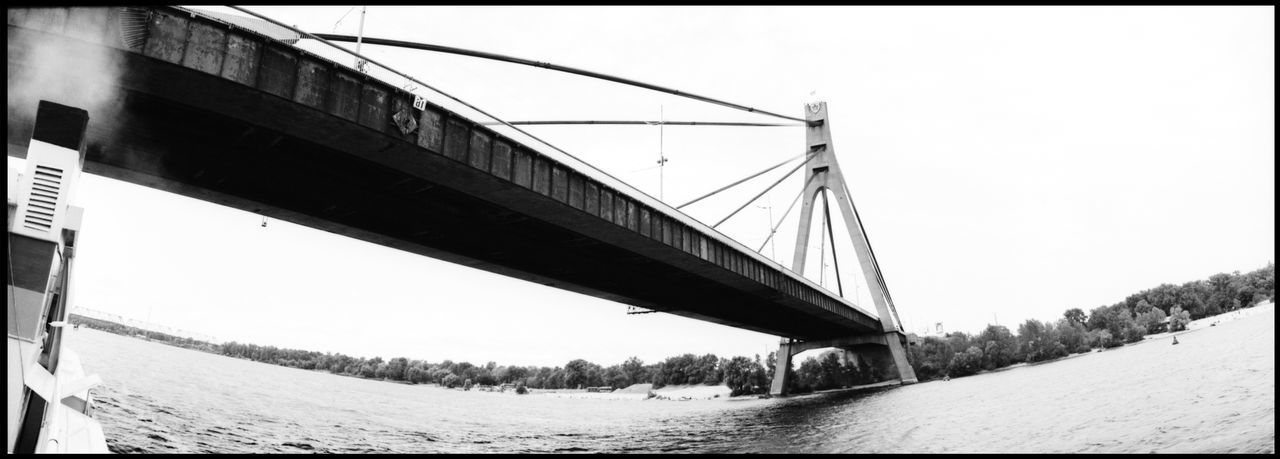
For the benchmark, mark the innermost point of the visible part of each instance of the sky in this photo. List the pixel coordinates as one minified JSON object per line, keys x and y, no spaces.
{"x":1008,"y":163}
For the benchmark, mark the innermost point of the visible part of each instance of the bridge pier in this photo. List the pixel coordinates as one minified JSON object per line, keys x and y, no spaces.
{"x":782,"y":363}
{"x":889,"y":347}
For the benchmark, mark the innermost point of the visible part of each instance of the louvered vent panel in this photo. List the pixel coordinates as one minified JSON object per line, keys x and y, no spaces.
{"x":43,"y":201}
{"x":133,"y":27}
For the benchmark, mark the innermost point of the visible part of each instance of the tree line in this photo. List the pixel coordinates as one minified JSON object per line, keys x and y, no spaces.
{"x":959,"y":354}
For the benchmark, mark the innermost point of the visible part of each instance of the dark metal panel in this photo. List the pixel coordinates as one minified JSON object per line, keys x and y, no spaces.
{"x":479,"y":155}
{"x":88,"y":24}
{"x":606,"y":204}
{"x":167,"y":38}
{"x":431,"y":130}
{"x":559,"y":184}
{"x":646,"y":223}
{"x":541,"y":175}
{"x":313,"y":83}
{"x":633,"y":216}
{"x":664,"y":229}
{"x":241,"y":61}
{"x":344,"y":96}
{"x":575,"y":190}
{"x":522,"y":168}
{"x":592,"y":198}
{"x":456,"y":140}
{"x":619,"y":209}
{"x":373,"y":106}
{"x":206,"y":48}
{"x":277,"y":72}
{"x":501,"y":166}
{"x":677,"y":235}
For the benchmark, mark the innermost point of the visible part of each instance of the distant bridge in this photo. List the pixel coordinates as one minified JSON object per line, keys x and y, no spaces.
{"x":207,"y":109}
{"x":145,"y":325}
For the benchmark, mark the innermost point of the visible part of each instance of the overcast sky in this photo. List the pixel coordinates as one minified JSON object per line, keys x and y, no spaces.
{"x":1008,"y":163}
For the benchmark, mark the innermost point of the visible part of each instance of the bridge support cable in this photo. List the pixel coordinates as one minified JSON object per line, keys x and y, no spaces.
{"x":545,"y":65}
{"x":826,"y":210}
{"x":766,"y":190}
{"x":879,"y":276}
{"x":641,"y":123}
{"x":757,"y":174}
{"x":784,"y":216}
{"x":451,"y":97}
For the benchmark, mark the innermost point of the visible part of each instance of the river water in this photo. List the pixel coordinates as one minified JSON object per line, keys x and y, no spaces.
{"x":1214,"y":392}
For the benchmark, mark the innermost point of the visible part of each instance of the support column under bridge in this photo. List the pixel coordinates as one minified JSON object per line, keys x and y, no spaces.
{"x":822,"y":174}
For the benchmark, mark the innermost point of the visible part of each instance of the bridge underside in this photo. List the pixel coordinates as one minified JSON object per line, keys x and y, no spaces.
{"x":199,"y":135}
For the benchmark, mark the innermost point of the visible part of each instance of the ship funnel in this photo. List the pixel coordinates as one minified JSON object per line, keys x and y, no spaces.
{"x":54,"y":160}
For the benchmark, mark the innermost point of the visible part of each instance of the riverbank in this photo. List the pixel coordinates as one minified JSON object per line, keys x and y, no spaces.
{"x":642,"y":391}
{"x":1212,"y":321}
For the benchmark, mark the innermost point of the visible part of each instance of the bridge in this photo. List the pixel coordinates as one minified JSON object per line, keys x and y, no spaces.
{"x":198,"y":106}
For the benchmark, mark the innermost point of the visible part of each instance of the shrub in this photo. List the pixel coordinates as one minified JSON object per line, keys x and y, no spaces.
{"x":1133,"y":333}
{"x":965,"y":363}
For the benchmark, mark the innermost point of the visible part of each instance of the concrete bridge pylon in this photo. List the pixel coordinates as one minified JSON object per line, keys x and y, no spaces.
{"x":822,"y":174}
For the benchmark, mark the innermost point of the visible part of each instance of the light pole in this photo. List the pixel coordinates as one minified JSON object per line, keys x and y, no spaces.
{"x":662,"y":159}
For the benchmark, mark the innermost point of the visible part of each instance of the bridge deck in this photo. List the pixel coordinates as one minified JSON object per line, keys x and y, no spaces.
{"x":211,"y":111}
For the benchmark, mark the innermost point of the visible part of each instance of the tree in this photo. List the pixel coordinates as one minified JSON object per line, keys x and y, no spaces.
{"x":396,"y":368}
{"x":830,"y":370}
{"x":1040,"y":341}
{"x":1073,"y":336}
{"x":1099,"y":317}
{"x":999,"y":346}
{"x":760,"y":377}
{"x":1178,"y":319}
{"x":708,"y":373}
{"x":1152,"y":321}
{"x":579,"y":372}
{"x":614,"y":377}
{"x":1142,"y":307}
{"x":1075,"y":315}
{"x":738,"y":375}
{"x":930,"y":357}
{"x":369,"y":369}
{"x":449,"y":380}
{"x":634,"y":370}
{"x":1102,"y":338}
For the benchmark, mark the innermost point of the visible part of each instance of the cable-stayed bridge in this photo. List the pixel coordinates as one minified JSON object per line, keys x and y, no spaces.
{"x":220,"y":111}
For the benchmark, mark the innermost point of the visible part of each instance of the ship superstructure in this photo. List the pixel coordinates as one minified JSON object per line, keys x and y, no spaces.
{"x":49,"y":406}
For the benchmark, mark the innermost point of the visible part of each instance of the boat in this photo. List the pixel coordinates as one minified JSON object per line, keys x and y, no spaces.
{"x":50,"y":409}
